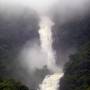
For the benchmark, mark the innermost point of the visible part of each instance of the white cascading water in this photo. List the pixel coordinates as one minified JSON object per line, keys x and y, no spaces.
{"x":50,"y":82}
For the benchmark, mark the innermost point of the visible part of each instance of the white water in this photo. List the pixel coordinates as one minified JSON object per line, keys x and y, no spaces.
{"x":50,"y":82}
{"x":46,"y":40}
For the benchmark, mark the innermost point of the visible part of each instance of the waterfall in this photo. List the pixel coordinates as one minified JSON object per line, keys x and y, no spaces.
{"x":50,"y":82}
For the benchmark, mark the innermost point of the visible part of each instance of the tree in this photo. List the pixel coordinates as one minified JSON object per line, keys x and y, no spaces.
{"x":10,"y":84}
{"x":77,"y":71}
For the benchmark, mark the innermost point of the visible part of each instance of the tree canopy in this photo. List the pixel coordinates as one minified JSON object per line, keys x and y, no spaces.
{"x":10,"y":84}
{"x":77,"y":70}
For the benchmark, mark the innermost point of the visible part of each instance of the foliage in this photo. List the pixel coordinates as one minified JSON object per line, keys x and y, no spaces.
{"x":77,"y":71}
{"x":10,"y":84}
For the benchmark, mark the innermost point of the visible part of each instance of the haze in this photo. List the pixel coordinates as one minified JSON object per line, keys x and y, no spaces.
{"x":38,"y":5}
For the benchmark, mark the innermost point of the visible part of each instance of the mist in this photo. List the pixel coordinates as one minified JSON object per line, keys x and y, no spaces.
{"x":58,"y":13}
{"x":66,"y":10}
{"x":69,"y":18}
{"x":32,"y":56}
{"x":41,"y":6}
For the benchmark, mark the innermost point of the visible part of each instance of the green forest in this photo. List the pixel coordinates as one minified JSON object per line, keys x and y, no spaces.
{"x":77,"y":70}
{"x":10,"y":84}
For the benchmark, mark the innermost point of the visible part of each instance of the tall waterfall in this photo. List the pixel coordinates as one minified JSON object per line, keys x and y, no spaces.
{"x":50,"y":82}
